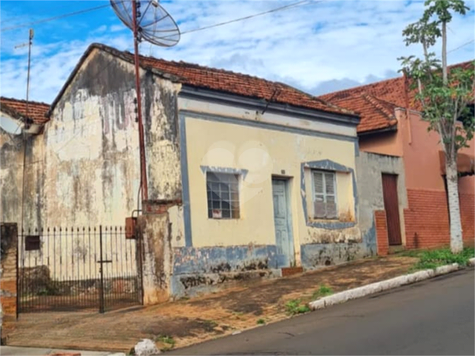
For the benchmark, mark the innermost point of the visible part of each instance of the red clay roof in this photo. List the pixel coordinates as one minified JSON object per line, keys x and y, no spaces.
{"x":17,"y":109}
{"x":229,"y":82}
{"x":376,"y":114}
{"x":376,"y":102}
{"x":240,"y":84}
{"x":391,"y":90}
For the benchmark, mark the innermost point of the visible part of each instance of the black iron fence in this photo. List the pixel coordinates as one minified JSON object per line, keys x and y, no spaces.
{"x":63,"y":269}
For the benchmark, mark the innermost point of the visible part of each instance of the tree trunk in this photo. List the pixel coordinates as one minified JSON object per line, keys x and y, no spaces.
{"x":456,"y":242}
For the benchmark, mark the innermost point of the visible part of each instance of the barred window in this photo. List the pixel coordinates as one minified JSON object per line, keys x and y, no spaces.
{"x":223,"y":195}
{"x":324,"y":188}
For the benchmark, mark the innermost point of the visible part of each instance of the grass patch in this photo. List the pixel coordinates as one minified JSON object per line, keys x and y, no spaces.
{"x":430,"y":259}
{"x":166,"y":340}
{"x":295,"y":306}
{"x":208,"y":325}
{"x":261,"y":321}
{"x":323,"y":291}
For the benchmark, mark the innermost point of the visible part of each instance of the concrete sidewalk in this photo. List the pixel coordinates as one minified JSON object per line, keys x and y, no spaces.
{"x":30,"y":351}
{"x":186,"y":322}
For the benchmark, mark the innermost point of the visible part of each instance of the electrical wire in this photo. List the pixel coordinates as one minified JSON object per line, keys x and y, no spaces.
{"x":32,"y":23}
{"x":461,"y":46}
{"x":296,"y":4}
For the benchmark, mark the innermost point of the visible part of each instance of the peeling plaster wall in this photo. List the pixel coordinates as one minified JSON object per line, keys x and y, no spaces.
{"x":234,"y":139}
{"x":11,"y":171}
{"x":162,"y":138}
{"x":203,"y":270}
{"x":92,"y":150}
{"x":370,"y":167}
{"x":157,"y":257}
{"x":11,"y":178}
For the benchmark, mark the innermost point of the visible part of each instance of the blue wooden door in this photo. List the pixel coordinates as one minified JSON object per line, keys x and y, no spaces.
{"x":282,"y":223}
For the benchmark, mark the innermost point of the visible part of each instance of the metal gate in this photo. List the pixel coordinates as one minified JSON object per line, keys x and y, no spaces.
{"x":69,"y":269}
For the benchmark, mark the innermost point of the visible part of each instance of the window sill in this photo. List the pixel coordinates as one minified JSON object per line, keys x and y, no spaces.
{"x":323,"y":220}
{"x":330,"y":224}
{"x":225,"y":219}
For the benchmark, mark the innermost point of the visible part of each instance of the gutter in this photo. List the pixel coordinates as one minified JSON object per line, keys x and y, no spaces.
{"x":379,"y":131}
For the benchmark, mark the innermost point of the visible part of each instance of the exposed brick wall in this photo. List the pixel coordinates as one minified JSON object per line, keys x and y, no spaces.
{"x":427,"y":219}
{"x":8,"y":281}
{"x":467,"y":214}
{"x":381,"y":232}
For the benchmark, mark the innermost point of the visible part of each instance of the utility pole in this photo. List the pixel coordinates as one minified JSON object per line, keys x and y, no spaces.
{"x":25,"y":124}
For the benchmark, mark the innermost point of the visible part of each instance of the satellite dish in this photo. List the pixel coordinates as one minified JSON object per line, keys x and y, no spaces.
{"x":10,"y":125}
{"x":150,"y":22}
{"x":154,"y":23}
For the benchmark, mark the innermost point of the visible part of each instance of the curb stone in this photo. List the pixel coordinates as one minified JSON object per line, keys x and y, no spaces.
{"x":388,"y":284}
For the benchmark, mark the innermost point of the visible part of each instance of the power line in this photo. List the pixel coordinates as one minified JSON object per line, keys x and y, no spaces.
{"x":296,"y":4}
{"x":27,"y":24}
{"x":461,"y":46}
{"x":299,"y":3}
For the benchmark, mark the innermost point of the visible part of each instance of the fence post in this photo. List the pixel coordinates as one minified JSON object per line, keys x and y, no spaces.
{"x":9,"y":276}
{"x":139,"y":261}
{"x":101,"y":271}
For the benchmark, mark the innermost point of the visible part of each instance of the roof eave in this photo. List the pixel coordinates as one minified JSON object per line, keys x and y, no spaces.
{"x":391,"y":128}
{"x":111,"y":51}
{"x":11,"y":112}
{"x":257,"y":103}
{"x":70,"y":78}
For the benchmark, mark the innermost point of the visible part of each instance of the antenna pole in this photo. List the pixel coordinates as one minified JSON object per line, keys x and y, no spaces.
{"x":25,"y":127}
{"x":30,"y":42}
{"x":143,"y":169}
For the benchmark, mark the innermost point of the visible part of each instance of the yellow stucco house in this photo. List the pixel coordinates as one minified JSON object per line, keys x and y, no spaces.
{"x":246,"y":177}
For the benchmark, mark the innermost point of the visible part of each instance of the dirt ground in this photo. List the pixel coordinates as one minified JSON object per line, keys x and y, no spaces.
{"x":185,"y":322}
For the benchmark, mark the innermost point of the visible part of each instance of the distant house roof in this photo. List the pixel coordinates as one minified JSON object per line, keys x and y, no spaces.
{"x":17,"y":109}
{"x":376,"y":102}
{"x":222,"y":81}
{"x":376,"y":114}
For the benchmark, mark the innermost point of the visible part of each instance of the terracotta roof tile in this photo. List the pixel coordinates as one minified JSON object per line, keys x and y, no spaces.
{"x":18,"y":109}
{"x":375,"y":113}
{"x":376,"y":102}
{"x":220,"y":80}
{"x":236,"y":83}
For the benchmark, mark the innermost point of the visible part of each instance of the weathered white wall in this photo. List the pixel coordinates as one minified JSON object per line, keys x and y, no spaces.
{"x":11,"y":170}
{"x":12,"y":150}
{"x":92,"y":165}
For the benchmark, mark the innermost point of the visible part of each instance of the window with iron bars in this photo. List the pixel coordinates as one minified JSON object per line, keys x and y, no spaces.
{"x":223,"y":195}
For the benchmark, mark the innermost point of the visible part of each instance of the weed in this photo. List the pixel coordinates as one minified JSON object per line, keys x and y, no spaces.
{"x":166,"y":340}
{"x":294,"y":307}
{"x":49,"y":289}
{"x":323,"y":291}
{"x":430,"y":259}
{"x":209,"y":325}
{"x":261,"y":321}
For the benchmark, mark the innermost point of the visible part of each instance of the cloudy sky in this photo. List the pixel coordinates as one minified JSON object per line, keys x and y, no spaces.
{"x":318,"y":46}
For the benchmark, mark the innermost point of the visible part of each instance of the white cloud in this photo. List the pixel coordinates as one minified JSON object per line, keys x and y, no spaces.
{"x":318,"y":47}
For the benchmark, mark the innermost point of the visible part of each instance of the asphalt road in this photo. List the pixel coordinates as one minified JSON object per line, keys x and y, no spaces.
{"x":435,"y":317}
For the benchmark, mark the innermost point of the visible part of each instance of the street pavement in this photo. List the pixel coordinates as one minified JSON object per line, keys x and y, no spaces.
{"x":435,"y":317}
{"x":31,"y":351}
